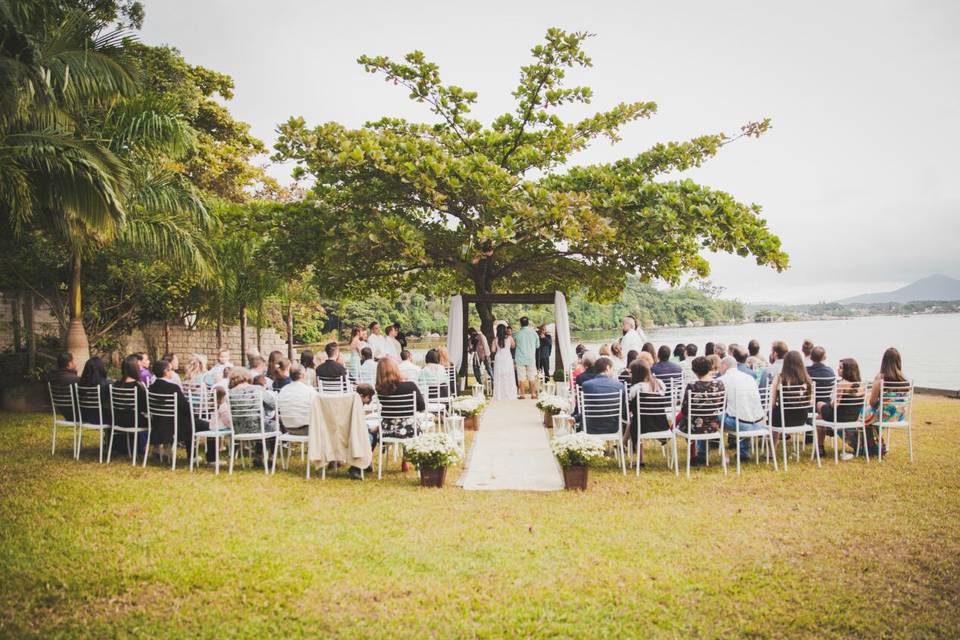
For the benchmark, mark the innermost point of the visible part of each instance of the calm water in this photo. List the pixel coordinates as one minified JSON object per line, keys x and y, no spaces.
{"x":929,"y":344}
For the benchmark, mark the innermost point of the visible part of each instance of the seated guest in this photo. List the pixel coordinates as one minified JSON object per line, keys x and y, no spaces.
{"x":197,"y":369}
{"x":161,"y":428}
{"x":754,"y":361}
{"x":624,"y":375}
{"x":664,"y":367}
{"x":578,"y":368}
{"x":444,"y":356}
{"x":891,"y":371}
{"x":95,"y":376}
{"x":806,"y":349}
{"x":708,"y":349}
{"x":604,"y":381}
{"x":294,"y":402}
{"x":650,"y":391}
{"x":309,"y":364}
{"x":849,"y":387}
{"x":281,"y":374}
{"x":66,"y":372}
{"x":714,"y":361}
{"x":705,"y":383}
{"x":740,"y":355}
{"x":616,"y":357}
{"x":434,"y":373}
{"x":649,"y":348}
{"x":679,"y":352}
{"x":241,"y":387}
{"x":390,"y":384}
{"x":822,"y":375}
{"x":687,"y":363}
{"x":604,"y":351}
{"x":146,"y":376}
{"x":258,"y":366}
{"x":366,"y":393}
{"x":408,"y":370}
{"x":720,"y":350}
{"x":646,"y":358}
{"x":778,"y":351}
{"x":743,"y":402}
{"x":587,"y":361}
{"x":331,"y":368}
{"x":368,"y":366}
{"x":794,"y":374}
{"x":174,"y":366}
{"x":130,"y":379}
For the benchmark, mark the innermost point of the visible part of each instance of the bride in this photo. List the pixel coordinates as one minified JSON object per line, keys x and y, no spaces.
{"x":504,"y":380}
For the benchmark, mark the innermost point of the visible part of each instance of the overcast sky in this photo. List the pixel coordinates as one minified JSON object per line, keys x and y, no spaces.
{"x":859,"y":176}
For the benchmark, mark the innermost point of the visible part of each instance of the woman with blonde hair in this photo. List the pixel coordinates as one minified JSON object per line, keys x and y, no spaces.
{"x":444,"y":356}
{"x":196,"y":368}
{"x":391,"y":383}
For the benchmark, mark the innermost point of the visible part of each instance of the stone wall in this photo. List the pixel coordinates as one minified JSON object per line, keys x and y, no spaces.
{"x":44,"y":321}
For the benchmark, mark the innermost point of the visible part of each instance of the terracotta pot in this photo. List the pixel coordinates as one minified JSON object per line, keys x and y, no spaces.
{"x":471,"y":423}
{"x":547,"y":420}
{"x":432,"y":476}
{"x":575,"y":478}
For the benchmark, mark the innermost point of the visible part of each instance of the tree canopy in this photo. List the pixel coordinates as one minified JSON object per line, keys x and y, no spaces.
{"x":457,"y":205}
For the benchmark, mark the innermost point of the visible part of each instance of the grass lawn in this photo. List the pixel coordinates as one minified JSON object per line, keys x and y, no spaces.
{"x":851,"y":551}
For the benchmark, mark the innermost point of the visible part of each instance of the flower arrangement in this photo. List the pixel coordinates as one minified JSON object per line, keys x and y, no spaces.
{"x":553,"y":405}
{"x":468,"y":405}
{"x":576,"y":449}
{"x":432,"y":450}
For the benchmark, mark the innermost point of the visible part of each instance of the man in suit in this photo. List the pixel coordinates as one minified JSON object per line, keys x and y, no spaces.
{"x":162,"y":428}
{"x":331,"y":369}
{"x":66,"y":372}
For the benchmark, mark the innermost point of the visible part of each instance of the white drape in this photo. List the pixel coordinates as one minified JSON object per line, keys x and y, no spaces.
{"x":455,"y":332}
{"x":562,"y":334}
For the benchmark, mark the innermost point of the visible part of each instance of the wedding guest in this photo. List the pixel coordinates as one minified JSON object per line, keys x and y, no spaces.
{"x":646,"y":358}
{"x":368,"y":365}
{"x":258,"y":366}
{"x":604,"y":381}
{"x":242,"y":387}
{"x":376,"y":341}
{"x":196,"y":371}
{"x":714,"y":361}
{"x":664,"y":367}
{"x":331,"y":369}
{"x":309,"y":363}
{"x":66,"y":372}
{"x":545,"y":350}
{"x":604,"y":351}
{"x":633,"y":337}
{"x":742,"y":402}
{"x":631,"y":357}
{"x":292,"y":400}
{"x":389,"y":384}
{"x":393,"y":346}
{"x":704,"y":383}
{"x":792,"y":373}
{"x":95,"y":376}
{"x":649,"y":348}
{"x":281,"y":374}
{"x":806,"y":349}
{"x":272,"y":361}
{"x":616,"y":357}
{"x":146,"y":377}
{"x":778,"y":351}
{"x":433,"y":373}
{"x":822,"y":375}
{"x":720,"y":350}
{"x":161,"y":428}
{"x":891,"y":371}
{"x":587,"y":361}
{"x":849,"y":386}
{"x":754,"y":360}
{"x":444,"y":355}
{"x":216,"y":372}
{"x":740,"y":355}
{"x":400,"y":335}
{"x":645,"y":385}
{"x":130,"y":379}
{"x":680,"y":352}
{"x":357,"y":343}
{"x":174,"y":367}
{"x":407,"y":368}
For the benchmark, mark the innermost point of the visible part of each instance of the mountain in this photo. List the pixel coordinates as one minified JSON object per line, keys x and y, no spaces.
{"x":935,"y":287}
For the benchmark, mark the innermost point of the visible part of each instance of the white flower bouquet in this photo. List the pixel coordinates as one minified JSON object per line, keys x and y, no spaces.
{"x":468,"y":405}
{"x":576,"y":449}
{"x":553,"y":404}
{"x":431,"y":450}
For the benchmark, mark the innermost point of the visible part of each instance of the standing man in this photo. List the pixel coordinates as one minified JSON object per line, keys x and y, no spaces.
{"x":545,"y":351}
{"x":377,"y":341}
{"x":393,"y":345}
{"x":526,"y":359}
{"x":633,"y":337}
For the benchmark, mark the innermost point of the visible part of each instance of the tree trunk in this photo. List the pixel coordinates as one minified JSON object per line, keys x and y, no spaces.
{"x":259,"y":324}
{"x":31,"y":335}
{"x":290,"y":329}
{"x":243,"y":333}
{"x":485,"y":310}
{"x":77,"y":342}
{"x":16,"y":305}
{"x":166,"y":337}
{"x":219,"y":326}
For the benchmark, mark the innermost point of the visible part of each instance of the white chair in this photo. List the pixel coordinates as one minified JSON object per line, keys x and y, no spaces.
{"x":452,"y":380}
{"x":796,"y":399}
{"x":162,"y":407}
{"x":216,"y":432}
{"x":896,"y":397}
{"x":333,"y":386}
{"x":247,"y":408}
{"x":708,"y":406}
{"x":63,"y":399}
{"x":293,"y":411}
{"x":602,"y":409}
{"x":757,"y":431}
{"x":846,"y":405}
{"x":124,"y":403}
{"x":438,"y":399}
{"x":656,"y":406}
{"x":89,"y":398}
{"x":203,"y":398}
{"x":398,"y":407}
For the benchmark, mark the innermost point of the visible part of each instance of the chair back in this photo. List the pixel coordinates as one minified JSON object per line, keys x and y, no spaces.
{"x":825,"y":387}
{"x":162,"y":407}
{"x":124,"y":408}
{"x":652,"y":405}
{"x":333,"y":386}
{"x":706,"y":405}
{"x":89,"y":398}
{"x":452,"y":379}
{"x":294,"y":411}
{"x":246,"y":411}
{"x":397,"y":407}
{"x":365,"y":377}
{"x":797,"y":398}
{"x":896,"y":402}
{"x":849,"y":404}
{"x":438,"y":392}
{"x":63,"y":398}
{"x":601,"y":408}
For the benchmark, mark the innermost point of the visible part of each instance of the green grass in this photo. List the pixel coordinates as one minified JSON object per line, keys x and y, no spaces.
{"x":851,"y":551}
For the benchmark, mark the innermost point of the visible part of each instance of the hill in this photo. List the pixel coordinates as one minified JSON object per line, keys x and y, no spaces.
{"x":935,"y":287}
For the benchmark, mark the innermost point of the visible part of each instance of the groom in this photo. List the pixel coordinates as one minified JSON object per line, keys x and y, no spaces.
{"x":526,"y":359}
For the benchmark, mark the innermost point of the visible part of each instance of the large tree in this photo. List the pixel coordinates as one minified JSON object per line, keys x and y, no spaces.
{"x":455,"y":205}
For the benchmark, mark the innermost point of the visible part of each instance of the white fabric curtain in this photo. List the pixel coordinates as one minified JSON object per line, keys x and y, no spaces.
{"x":562,"y":333}
{"x":455,"y":331}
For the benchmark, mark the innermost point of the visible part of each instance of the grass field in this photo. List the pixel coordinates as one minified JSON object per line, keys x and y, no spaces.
{"x":851,"y":551}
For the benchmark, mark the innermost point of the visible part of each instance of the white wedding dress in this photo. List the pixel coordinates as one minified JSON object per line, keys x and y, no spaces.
{"x":504,"y":378}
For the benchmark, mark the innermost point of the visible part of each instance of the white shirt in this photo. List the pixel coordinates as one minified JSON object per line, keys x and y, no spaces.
{"x":393,"y":346}
{"x":378,"y":344}
{"x":743,"y":396}
{"x":368,"y":371}
{"x":410,"y":371}
{"x":632,"y":341}
{"x":294,"y":402}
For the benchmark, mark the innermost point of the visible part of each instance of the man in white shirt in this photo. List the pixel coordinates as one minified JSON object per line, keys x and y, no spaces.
{"x":215,"y":375}
{"x":377,"y":341}
{"x":295,"y":401}
{"x":743,"y":403}
{"x":408,"y":370}
{"x":778,"y":351}
{"x":633,"y":336}
{"x":393,"y":347}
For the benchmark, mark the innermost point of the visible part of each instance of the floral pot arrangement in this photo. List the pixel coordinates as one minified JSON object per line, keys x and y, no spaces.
{"x":552,"y":405}
{"x":575,"y":452}
{"x":470,"y":407}
{"x":432,"y":453}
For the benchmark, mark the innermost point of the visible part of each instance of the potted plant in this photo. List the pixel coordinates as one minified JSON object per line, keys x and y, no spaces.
{"x":551,"y":406}
{"x":470,"y":407}
{"x":574,"y":453}
{"x":432,"y":453}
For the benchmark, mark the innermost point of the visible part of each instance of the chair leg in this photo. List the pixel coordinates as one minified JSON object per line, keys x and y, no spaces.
{"x":216,"y":456}
{"x":276,"y":447}
{"x":816,"y":449}
{"x":623,"y":457}
{"x":783,"y":439}
{"x":736,"y":452}
{"x":379,"y":462}
{"x":723,"y":455}
{"x":101,"y":446}
{"x":689,"y":454}
{"x":110,"y":449}
{"x":676,"y":460}
{"x":193,"y":451}
{"x":53,"y":447}
{"x":266,"y":456}
{"x":879,"y":444}
{"x":233,"y":454}
{"x":773,"y":450}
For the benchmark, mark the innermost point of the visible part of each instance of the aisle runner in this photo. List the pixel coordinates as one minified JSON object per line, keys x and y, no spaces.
{"x":512,"y":451}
